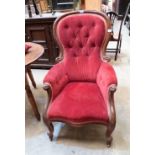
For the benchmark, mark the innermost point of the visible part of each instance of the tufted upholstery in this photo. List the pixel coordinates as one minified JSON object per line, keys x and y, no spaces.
{"x":82,"y":38}
{"x":80,"y":82}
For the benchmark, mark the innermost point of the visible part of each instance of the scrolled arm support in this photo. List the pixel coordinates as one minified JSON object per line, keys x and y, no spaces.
{"x":58,"y":59}
{"x":48,"y":88}
{"x":106,"y":58}
{"x":112,"y":114}
{"x":112,"y":117}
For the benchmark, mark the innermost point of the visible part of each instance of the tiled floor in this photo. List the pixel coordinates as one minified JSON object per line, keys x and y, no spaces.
{"x":89,"y":139}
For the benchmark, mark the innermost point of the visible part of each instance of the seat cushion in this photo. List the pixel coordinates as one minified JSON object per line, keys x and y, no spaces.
{"x":79,"y":102}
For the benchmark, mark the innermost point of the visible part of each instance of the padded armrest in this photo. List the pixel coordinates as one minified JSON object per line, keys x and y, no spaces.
{"x":56,"y":78}
{"x":105,"y":78}
{"x":106,"y":75}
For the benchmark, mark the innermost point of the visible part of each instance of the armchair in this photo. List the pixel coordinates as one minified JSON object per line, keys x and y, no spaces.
{"x":81,"y":86}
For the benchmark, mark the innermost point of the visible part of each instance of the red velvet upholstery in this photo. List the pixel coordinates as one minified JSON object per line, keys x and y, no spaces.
{"x":57,"y":78}
{"x":81,"y":48}
{"x":79,"y":102}
{"x":80,"y":82}
{"x":106,"y":76}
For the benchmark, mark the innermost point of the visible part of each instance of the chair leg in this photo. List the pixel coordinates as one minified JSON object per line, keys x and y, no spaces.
{"x":120,"y":45}
{"x":116,"y":54}
{"x":117,"y":50}
{"x":51,"y":130}
{"x":109,"y":138}
{"x":31,"y":77}
{"x":49,"y":126}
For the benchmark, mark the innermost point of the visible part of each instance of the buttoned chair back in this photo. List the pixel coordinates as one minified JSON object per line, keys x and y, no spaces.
{"x":82,"y":38}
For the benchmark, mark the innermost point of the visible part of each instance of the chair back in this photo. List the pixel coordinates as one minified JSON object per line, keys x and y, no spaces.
{"x":112,"y":15}
{"x":82,"y":36}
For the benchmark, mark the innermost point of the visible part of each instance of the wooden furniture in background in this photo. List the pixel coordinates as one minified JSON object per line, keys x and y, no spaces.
{"x":119,"y":6}
{"x":29,"y":72}
{"x":43,"y":5}
{"x":112,"y":15}
{"x":40,"y":30}
{"x":29,"y":4}
{"x":32,"y":55}
{"x":117,"y":37}
{"x":93,"y":5}
{"x":127,"y":20}
{"x":63,"y":5}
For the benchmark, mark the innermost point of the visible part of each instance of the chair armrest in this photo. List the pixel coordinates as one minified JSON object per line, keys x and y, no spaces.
{"x":106,"y":75}
{"x":107,"y":83}
{"x":56,"y":79}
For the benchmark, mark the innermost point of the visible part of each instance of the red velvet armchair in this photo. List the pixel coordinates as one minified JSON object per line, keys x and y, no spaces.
{"x":81,"y":86}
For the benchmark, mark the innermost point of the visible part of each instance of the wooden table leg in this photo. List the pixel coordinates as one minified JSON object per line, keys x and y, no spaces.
{"x":31,"y":76}
{"x":31,"y":99}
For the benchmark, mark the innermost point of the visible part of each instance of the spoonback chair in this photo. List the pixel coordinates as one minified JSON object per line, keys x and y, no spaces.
{"x":81,"y":86}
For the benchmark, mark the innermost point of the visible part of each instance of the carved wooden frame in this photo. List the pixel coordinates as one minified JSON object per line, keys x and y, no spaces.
{"x":112,"y":88}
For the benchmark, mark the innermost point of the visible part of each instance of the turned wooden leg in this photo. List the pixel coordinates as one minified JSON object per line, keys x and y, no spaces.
{"x":51,"y":130}
{"x":31,"y":77}
{"x":31,"y":99}
{"x":49,"y":126}
{"x":108,"y":135}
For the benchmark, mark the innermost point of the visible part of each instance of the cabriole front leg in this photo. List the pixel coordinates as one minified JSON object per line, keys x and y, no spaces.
{"x":47,"y":122}
{"x":49,"y":126}
{"x":112,"y":116}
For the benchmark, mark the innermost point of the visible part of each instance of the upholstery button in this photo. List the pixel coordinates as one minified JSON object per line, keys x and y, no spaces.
{"x":87,"y":54}
{"x":86,"y":35}
{"x":74,"y":36}
{"x":80,"y":45}
{"x":74,"y":55}
{"x":93,"y":24}
{"x":80,"y":25}
{"x":92,"y":44}
{"x":66,"y":26}
{"x":69,"y":46}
